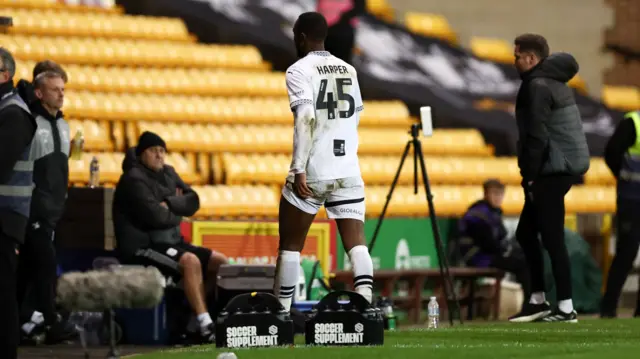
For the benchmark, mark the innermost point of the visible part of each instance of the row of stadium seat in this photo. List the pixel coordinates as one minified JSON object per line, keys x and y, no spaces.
{"x":277,"y":139}
{"x":271,"y":169}
{"x":62,"y":5}
{"x":101,"y":51}
{"x":197,"y":109}
{"x":182,"y":81}
{"x":63,"y":23}
{"x":111,"y":167}
{"x":262,"y":201}
{"x":96,"y":134}
{"x":624,"y":98}
{"x":202,"y":138}
{"x":380,"y":170}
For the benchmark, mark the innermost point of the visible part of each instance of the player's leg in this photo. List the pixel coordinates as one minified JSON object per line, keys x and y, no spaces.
{"x":193,"y":283}
{"x":346,"y":205}
{"x":210,"y":261}
{"x":295,"y":217}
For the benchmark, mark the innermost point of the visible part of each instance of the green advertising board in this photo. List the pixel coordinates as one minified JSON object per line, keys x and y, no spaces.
{"x":402,"y":243}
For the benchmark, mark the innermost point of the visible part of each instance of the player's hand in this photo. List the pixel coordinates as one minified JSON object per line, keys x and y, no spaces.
{"x":179,"y":191}
{"x":300,"y":186}
{"x":164,"y":204}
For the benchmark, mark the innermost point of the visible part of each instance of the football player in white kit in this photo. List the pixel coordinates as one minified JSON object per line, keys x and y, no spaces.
{"x":325,"y":98}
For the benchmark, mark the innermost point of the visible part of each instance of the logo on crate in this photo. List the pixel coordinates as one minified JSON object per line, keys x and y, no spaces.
{"x":333,"y":333}
{"x":247,"y":336}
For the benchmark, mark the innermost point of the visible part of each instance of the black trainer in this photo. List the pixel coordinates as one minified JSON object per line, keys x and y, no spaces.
{"x":558,"y":316}
{"x":531,"y":312}
{"x":61,"y":331}
{"x":207,"y":336}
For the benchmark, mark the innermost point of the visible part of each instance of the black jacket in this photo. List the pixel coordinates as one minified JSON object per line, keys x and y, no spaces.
{"x":138,"y":216}
{"x":619,"y":143}
{"x":17,"y":129}
{"x":51,"y":168}
{"x":551,"y":138}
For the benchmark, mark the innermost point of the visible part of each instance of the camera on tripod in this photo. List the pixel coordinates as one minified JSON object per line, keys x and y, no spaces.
{"x":426,"y":125}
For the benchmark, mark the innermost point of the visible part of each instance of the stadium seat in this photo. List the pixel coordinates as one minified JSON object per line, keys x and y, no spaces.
{"x":124,"y":52}
{"x":381,"y":9}
{"x":623,"y":98}
{"x":277,"y":139}
{"x":183,"y":81}
{"x":96,"y":134}
{"x":111,"y":167}
{"x":58,"y":6}
{"x":492,"y":49}
{"x":579,"y":84}
{"x":599,"y":173}
{"x":431,"y":25}
{"x":377,"y":170}
{"x":453,"y":201}
{"x":218,"y":110}
{"x":62,"y":23}
{"x":237,"y":201}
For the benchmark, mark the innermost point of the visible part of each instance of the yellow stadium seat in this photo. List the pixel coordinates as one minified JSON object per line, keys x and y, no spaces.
{"x":431,"y":25}
{"x":599,"y":173}
{"x":381,"y":9}
{"x":236,"y":201}
{"x":579,"y":84}
{"x":624,"y":98}
{"x":96,"y":134}
{"x":453,"y":201}
{"x":492,"y":49}
{"x":58,"y":6}
{"x":124,"y":52}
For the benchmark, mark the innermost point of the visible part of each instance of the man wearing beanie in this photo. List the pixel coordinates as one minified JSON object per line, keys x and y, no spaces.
{"x":149,"y":203}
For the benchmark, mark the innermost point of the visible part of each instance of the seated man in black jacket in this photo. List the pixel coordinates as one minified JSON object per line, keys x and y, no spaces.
{"x":483,"y":237}
{"x":149,"y":203}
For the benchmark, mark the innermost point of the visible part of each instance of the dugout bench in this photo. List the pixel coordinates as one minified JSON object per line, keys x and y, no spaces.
{"x":417,"y":277}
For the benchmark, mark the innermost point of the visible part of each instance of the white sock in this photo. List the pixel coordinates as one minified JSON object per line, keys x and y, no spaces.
{"x":537,"y":298}
{"x":28,"y":327}
{"x":362,"y":271}
{"x":287,"y":277}
{"x":37,"y":318}
{"x":204,"y":320}
{"x":565,"y":306}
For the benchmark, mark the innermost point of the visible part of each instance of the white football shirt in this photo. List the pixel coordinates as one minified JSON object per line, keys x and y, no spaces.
{"x":330,"y":85}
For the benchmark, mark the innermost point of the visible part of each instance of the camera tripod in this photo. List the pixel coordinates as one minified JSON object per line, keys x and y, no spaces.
{"x":449,"y":290}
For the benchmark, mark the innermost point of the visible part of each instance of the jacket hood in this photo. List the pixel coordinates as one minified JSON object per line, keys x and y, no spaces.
{"x":130,"y":159}
{"x":559,"y":66}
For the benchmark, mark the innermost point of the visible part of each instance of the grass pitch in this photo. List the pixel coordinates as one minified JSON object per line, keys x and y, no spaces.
{"x":589,"y":339}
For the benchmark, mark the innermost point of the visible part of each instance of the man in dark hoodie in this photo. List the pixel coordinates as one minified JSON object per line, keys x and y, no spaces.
{"x":37,"y":262}
{"x":552,"y":156}
{"x":149,"y":203}
{"x":483,"y":238}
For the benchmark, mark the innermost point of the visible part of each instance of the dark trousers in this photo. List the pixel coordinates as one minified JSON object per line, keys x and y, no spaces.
{"x":627,"y":244}
{"x":542,"y":220}
{"x":37,"y":275}
{"x":8,"y":303}
{"x":515,"y":263}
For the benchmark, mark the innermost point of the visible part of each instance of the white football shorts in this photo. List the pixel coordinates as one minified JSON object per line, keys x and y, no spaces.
{"x":342,"y":198}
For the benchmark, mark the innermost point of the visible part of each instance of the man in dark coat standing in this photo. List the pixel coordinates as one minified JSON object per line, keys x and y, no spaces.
{"x":552,"y":156}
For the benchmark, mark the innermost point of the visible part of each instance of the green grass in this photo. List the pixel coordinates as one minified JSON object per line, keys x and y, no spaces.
{"x":589,"y":339}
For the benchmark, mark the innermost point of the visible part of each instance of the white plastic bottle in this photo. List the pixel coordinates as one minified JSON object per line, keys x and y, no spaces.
{"x":434,"y":313}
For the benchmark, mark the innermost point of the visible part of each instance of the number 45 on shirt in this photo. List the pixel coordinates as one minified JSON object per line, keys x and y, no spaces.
{"x":331,"y":104}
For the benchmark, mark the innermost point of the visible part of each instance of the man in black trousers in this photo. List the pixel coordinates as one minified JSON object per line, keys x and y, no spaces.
{"x":17,"y":129}
{"x":552,"y":156}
